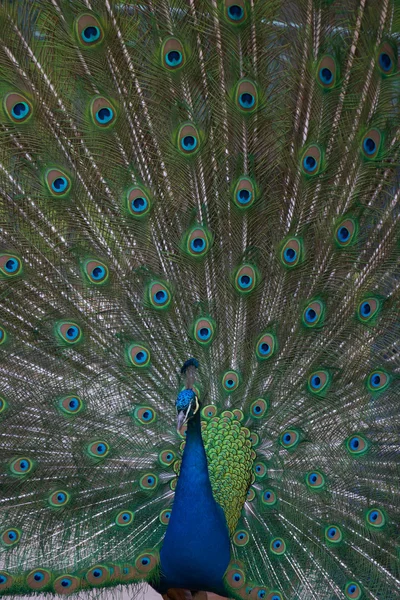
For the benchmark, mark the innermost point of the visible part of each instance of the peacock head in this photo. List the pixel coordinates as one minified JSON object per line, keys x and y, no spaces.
{"x":187,"y":404}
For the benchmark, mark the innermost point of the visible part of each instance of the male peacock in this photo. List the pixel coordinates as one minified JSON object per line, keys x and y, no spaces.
{"x":200,"y":227}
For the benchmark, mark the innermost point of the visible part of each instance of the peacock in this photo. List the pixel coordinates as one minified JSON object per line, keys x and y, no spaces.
{"x":200,"y":298}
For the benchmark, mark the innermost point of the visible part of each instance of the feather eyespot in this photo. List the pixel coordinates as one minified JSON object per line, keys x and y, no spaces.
{"x":98,"y":575}
{"x":146,"y":562}
{"x":144,"y":415}
{"x":3,"y":405}
{"x":315,"y":480}
{"x":278,"y":546}
{"x":21,"y":466}
{"x":346,"y":232}
{"x":102,"y":112}
{"x":235,"y":11}
{"x":289,"y":438}
{"x":333,"y":534}
{"x":260,"y":470}
{"x":371,"y":143}
{"x":246,"y":279}
{"x":197,"y":241}
{"x":71,"y":405}
{"x":98,"y":449}
{"x":269,"y":497}
{"x":368,"y":309}
{"x":124,"y":518}
{"x":353,"y":590}
{"x":69,"y":332}
{"x":246,"y":96}
{"x":274,"y":596}
{"x":66,"y":584}
{"x":188,"y":139}
{"x":241,"y":538}
{"x":250,"y":495}
{"x":244,"y":194}
{"x":3,"y":335}
{"x":10,"y":537}
{"x":357,"y":445}
{"x":172,"y":54}
{"x":6,"y":581}
{"x":139,"y":356}
{"x":327,"y":72}
{"x":58,"y":183}
{"x":234,"y":577}
{"x":203,"y":331}
{"x":38,"y":579}
{"x":96,"y":272}
{"x":138,"y":202}
{"x":149,"y":481}
{"x":376,"y":518}
{"x":10,"y":265}
{"x":291,"y":252}
{"x":387,"y":59}
{"x":313,"y":314}
{"x":311,"y":162}
{"x":230,"y":381}
{"x":59,"y":498}
{"x":159,"y":295}
{"x":258,"y":408}
{"x":17,"y":107}
{"x":378,"y":381}
{"x":265,"y":346}
{"x":209,"y":411}
{"x":167,"y":457}
{"x":165,"y":516}
{"x":89,"y":30}
{"x":318,"y":382}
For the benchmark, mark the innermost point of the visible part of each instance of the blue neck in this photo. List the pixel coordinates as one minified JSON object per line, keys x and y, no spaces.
{"x":196,"y":547}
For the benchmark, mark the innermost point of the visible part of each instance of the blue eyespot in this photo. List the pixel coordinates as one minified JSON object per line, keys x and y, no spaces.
{"x":66,"y":583}
{"x":11,"y":265}
{"x":385,"y":62}
{"x":72,"y":333}
{"x":61,"y":497}
{"x":20,"y":110}
{"x":373,"y":515}
{"x":261,"y":594}
{"x":354,"y":443}
{"x":311,"y":315}
{"x":160,"y":297}
{"x":90,"y":34}
{"x":174,"y":58}
{"x":126,"y":517}
{"x":244,"y":196}
{"x":12,"y":536}
{"x":98,"y":273}
{"x":369,"y":145}
{"x":313,"y":477}
{"x":331,"y":532}
{"x":150,"y":481}
{"x":246,"y":100}
{"x":59,"y":185}
{"x":139,"y":204}
{"x":73,"y":403}
{"x":147,"y":415}
{"x":237,"y":577}
{"x":189,"y":143}
{"x":104,"y":115}
{"x":245,"y":281}
{"x":309,"y":163}
{"x":3,"y":579}
{"x":352,"y":589}
{"x":316,"y":381}
{"x":145,"y":561}
{"x":277,"y":544}
{"x":97,"y":572}
{"x":375,"y":380}
{"x":198,"y":244}
{"x":204,"y":333}
{"x":343,"y":234}
{"x":23,"y":465}
{"x":141,"y":357}
{"x":229,"y":383}
{"x":290,"y":255}
{"x":264,"y":349}
{"x":101,"y":449}
{"x":38,"y":576}
{"x":235,"y":12}
{"x":326,"y":75}
{"x":365,"y":309}
{"x":287,"y":438}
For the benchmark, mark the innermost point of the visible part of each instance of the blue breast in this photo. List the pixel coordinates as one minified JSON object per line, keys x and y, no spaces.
{"x":196,"y":547}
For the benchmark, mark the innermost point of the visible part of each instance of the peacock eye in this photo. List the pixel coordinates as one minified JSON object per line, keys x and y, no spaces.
{"x":58,"y":183}
{"x":144,"y":415}
{"x":159,"y":295}
{"x":203,"y":330}
{"x":69,"y":332}
{"x":139,"y":356}
{"x":244,"y":193}
{"x":89,"y":30}
{"x":173,"y":54}
{"x":138,"y":202}
{"x":124,"y":518}
{"x":289,"y":438}
{"x":311,"y":161}
{"x":230,"y":381}
{"x":291,"y":252}
{"x":313,"y":314}
{"x":102,"y":112}
{"x":95,"y":271}
{"x":241,"y":538}
{"x":188,"y":139}
{"x":333,"y":534}
{"x":18,"y":108}
{"x":235,"y":11}
{"x":258,"y":408}
{"x":59,"y":498}
{"x":246,"y":279}
{"x":246,"y":96}
{"x":265,"y":346}
{"x":98,"y":449}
